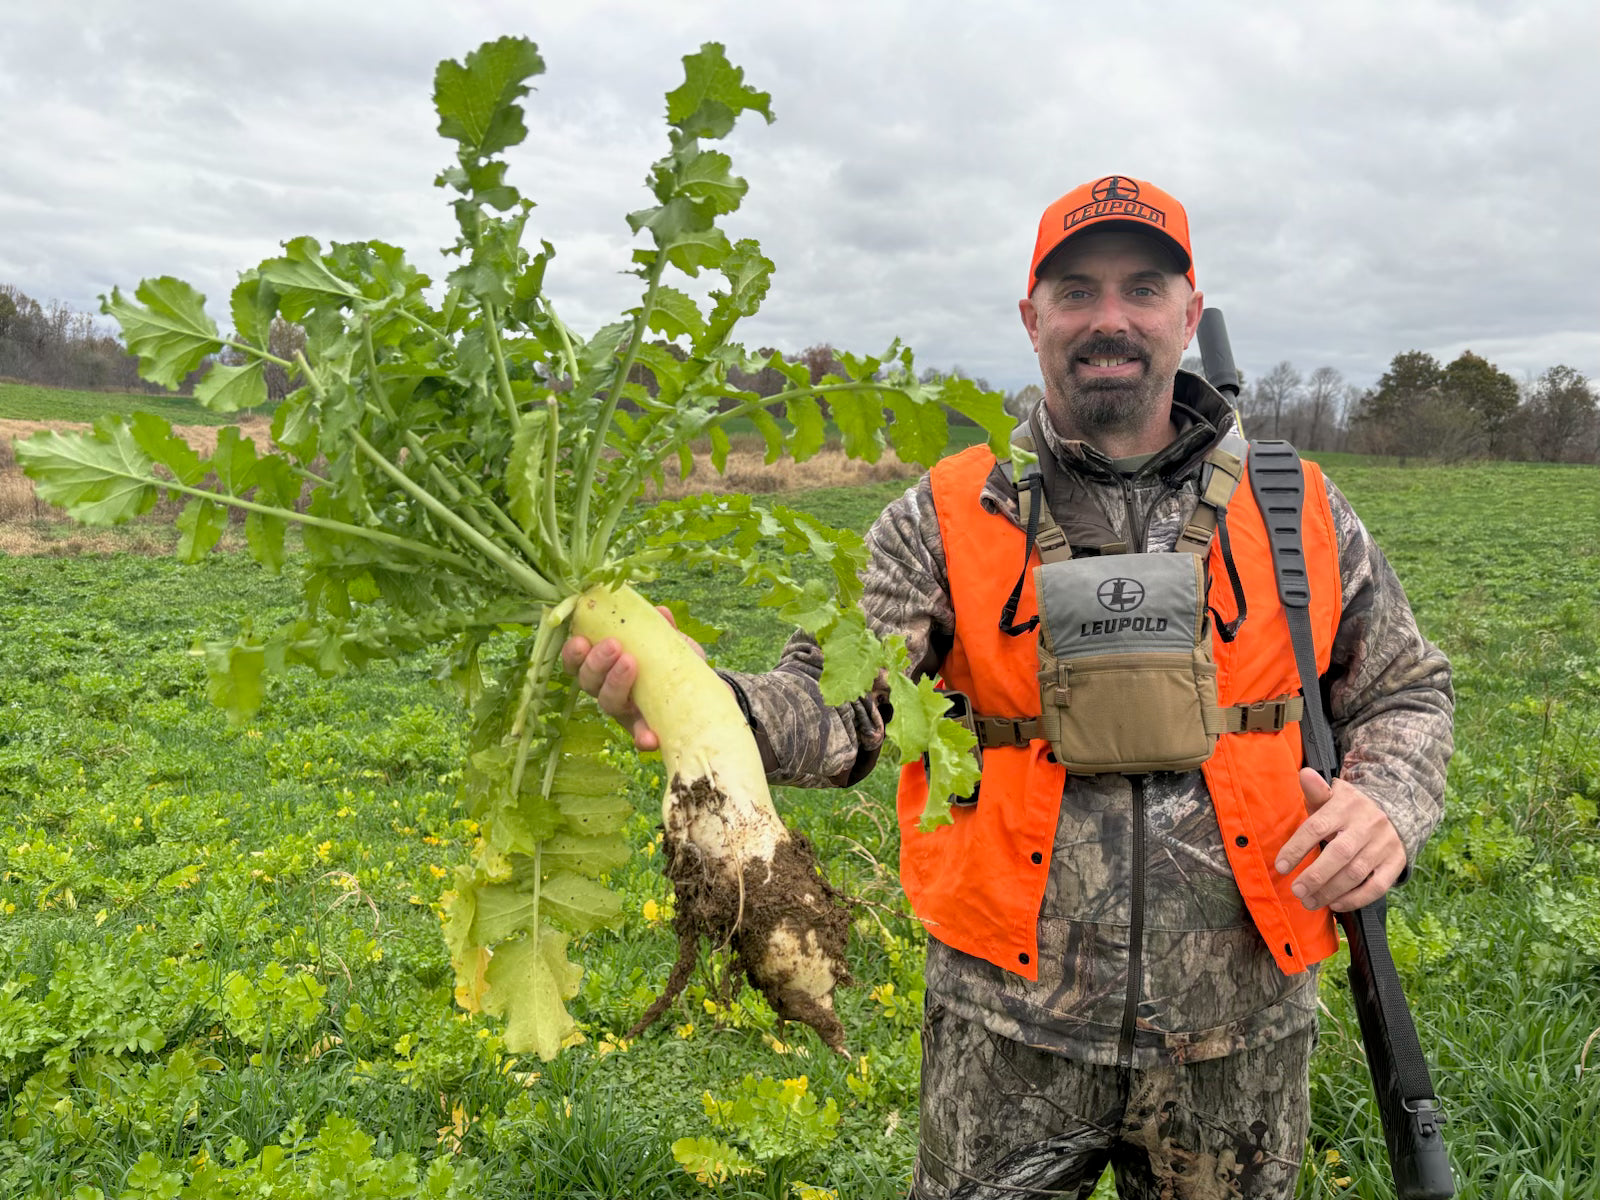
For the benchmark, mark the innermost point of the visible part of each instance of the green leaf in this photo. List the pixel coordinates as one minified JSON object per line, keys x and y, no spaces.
{"x":675,"y":314}
{"x":101,"y":477}
{"x":294,"y":424}
{"x":859,"y":416}
{"x":579,"y":904}
{"x":720,"y":447}
{"x":851,"y":660}
{"x":228,"y":389}
{"x":708,"y":180}
{"x":155,"y":437}
{"x":810,"y":430}
{"x":201,"y":524}
{"x":920,"y":727}
{"x":525,"y":469}
{"x":690,"y":250}
{"x":920,"y":431}
{"x":594,"y":815}
{"x":502,"y":911}
{"x":264,"y":535}
{"x":530,"y":981}
{"x":710,"y":1161}
{"x":712,"y":95}
{"x":168,"y":329}
{"x":304,"y":279}
{"x":749,"y":275}
{"x":590,"y":856}
{"x":985,"y":409}
{"x":234,"y":678}
{"x":476,"y":101}
{"x":252,"y":306}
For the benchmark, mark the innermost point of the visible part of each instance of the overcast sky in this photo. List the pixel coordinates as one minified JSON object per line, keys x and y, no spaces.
{"x":1362,"y":177}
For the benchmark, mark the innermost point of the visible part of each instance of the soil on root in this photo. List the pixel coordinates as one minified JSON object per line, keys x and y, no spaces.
{"x":781,"y":902}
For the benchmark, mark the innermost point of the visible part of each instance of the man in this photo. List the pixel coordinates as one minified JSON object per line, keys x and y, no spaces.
{"x":1136,"y":985}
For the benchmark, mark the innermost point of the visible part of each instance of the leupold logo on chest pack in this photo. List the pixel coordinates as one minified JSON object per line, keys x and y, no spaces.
{"x":1126,"y":678}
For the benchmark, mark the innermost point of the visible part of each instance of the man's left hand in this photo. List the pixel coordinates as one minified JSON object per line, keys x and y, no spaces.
{"x":1361,"y":857}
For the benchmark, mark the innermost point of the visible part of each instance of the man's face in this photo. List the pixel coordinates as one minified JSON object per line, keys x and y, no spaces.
{"x":1110,"y":318}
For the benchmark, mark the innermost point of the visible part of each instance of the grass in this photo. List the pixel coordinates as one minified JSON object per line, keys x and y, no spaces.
{"x":218,"y":941}
{"x":29,"y":402}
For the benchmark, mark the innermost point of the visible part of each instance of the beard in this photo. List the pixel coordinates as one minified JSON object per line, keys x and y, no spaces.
{"x":1110,"y":406}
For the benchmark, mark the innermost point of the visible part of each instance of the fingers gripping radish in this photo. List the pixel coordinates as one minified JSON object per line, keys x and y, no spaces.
{"x":742,"y":878}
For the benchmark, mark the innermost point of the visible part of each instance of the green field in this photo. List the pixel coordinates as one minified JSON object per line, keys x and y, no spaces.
{"x":28,"y":402}
{"x":223,"y":973}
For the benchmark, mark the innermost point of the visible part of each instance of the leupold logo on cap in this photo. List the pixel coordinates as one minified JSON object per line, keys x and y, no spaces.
{"x":1115,"y":196}
{"x":1115,"y":187}
{"x":1120,"y":595}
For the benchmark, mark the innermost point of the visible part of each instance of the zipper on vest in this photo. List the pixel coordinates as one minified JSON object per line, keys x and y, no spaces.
{"x":1136,"y":536}
{"x":1130,"y":1011}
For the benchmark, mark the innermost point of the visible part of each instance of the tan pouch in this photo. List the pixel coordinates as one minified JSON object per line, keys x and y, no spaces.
{"x":1126,"y":678}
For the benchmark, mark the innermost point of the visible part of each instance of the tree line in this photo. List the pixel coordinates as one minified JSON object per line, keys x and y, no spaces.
{"x":1420,"y":408}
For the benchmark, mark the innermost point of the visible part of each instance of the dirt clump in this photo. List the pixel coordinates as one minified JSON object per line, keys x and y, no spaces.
{"x":779,"y":911}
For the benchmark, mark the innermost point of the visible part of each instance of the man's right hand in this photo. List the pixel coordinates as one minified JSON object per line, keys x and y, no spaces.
{"x":607,"y":673}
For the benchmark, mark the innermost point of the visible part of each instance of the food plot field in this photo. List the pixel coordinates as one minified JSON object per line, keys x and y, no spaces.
{"x":223,"y":971}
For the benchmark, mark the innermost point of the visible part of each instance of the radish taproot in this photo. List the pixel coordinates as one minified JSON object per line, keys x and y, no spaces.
{"x":740,"y":876}
{"x":469,"y":483}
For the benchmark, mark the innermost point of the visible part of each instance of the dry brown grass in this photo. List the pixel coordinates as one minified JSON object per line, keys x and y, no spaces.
{"x":747,"y":471}
{"x":29,"y":526}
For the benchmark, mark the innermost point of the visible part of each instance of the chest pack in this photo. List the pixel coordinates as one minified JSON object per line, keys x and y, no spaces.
{"x":1127,"y":677}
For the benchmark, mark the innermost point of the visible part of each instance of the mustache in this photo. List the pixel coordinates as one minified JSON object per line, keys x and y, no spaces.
{"x":1110,"y":347}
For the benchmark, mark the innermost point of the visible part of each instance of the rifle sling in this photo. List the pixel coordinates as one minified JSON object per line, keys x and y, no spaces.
{"x":1279,"y":487}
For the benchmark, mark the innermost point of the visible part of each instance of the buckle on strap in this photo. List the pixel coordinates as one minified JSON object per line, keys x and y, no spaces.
{"x":1266,"y":716}
{"x":1007,"y":731}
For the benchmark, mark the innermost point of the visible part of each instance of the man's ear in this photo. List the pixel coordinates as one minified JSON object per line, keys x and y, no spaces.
{"x":1030,"y":320}
{"x":1191,"y":316}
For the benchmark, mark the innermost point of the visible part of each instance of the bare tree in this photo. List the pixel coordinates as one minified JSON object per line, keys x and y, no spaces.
{"x":1275,"y":391}
{"x":1560,"y":417}
{"x":1020,"y":403}
{"x":1323,"y":395}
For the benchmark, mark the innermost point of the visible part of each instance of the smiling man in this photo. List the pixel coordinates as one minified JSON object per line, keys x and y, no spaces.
{"x":1123,"y":952}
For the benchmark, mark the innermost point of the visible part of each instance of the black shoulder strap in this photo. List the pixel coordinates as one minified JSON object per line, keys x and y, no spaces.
{"x":1278,"y":482}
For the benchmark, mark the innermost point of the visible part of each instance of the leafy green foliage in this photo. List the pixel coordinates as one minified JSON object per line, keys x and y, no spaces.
{"x":463,"y":471}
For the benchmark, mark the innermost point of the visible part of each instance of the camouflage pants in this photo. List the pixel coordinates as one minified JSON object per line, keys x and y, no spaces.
{"x":1002,"y":1121}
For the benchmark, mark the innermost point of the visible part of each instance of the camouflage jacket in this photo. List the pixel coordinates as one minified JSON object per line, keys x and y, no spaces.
{"x":1205,"y":984}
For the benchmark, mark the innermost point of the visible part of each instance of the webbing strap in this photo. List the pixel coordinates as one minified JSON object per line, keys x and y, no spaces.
{"x":1278,"y":482}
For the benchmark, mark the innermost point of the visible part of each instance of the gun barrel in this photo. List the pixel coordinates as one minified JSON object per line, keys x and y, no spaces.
{"x":1216,"y":356}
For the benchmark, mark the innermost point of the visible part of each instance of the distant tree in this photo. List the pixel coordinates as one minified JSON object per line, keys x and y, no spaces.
{"x":1020,"y":403}
{"x":1277,"y":389}
{"x":1487,"y":393}
{"x":1322,"y":402}
{"x":820,"y":360}
{"x":1560,"y":417}
{"x":284,"y":339}
{"x":1387,"y":419}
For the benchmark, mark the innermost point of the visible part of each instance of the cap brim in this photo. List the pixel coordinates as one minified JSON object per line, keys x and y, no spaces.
{"x":1180,"y":255}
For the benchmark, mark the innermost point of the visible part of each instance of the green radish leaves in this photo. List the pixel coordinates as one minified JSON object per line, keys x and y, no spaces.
{"x":461,"y":464}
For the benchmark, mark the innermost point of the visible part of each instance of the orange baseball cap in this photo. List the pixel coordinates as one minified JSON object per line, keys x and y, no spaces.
{"x":1115,"y":201}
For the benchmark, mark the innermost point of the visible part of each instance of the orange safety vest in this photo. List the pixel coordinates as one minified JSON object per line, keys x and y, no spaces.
{"x":977,"y":884}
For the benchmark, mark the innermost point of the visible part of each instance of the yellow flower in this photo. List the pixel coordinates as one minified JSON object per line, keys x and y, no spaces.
{"x":651,"y":911}
{"x":686,"y":1030}
{"x":437,"y":872}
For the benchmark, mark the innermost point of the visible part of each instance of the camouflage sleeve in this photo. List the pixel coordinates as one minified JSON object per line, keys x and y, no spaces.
{"x":806,"y":743}
{"x":1389,"y":691}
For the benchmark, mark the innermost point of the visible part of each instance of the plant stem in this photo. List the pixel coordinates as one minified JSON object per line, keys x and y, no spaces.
{"x":421,"y":549}
{"x":580,"y":540}
{"x":502,"y":376}
{"x":530,"y":580}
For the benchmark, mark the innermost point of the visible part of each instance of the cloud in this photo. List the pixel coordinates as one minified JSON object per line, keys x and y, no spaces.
{"x":1362,"y":178}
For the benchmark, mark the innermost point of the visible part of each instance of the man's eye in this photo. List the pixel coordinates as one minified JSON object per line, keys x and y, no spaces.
{"x":1076,"y":294}
{"x":1144,"y":291}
